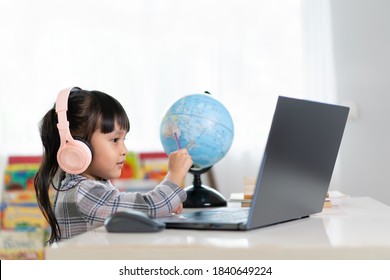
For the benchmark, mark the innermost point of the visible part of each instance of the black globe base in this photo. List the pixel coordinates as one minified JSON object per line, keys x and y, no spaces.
{"x":201,"y":196}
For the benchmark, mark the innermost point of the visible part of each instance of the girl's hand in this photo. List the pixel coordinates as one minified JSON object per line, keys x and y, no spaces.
{"x":179,"y":162}
{"x":179,"y":209}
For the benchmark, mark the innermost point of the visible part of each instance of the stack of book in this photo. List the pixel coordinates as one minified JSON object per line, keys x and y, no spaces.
{"x":245,"y":200}
{"x":240,"y":199}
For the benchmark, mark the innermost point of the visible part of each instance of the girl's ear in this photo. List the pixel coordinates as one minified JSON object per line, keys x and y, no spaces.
{"x":75,"y":156}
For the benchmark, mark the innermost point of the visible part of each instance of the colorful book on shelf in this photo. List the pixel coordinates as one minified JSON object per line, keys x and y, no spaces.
{"x":23,"y":227}
{"x":22,"y":244}
{"x":145,"y":165}
{"x":20,"y":172}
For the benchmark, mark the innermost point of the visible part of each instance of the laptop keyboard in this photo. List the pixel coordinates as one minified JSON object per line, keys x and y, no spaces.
{"x":220,"y":215}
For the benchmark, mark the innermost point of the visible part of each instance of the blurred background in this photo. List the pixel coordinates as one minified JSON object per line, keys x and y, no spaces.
{"x":149,"y":53}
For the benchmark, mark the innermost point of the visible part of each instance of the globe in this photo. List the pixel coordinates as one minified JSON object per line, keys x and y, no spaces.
{"x":200,"y":123}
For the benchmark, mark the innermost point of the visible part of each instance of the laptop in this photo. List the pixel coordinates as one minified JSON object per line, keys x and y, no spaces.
{"x":295,"y":170}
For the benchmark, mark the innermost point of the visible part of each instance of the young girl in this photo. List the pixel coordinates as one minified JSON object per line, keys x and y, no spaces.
{"x":94,"y":124}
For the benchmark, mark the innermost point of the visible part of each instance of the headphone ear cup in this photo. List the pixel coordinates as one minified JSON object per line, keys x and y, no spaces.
{"x":75,"y":156}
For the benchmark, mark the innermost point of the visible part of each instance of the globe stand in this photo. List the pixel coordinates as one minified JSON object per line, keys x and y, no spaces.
{"x":199,"y":195}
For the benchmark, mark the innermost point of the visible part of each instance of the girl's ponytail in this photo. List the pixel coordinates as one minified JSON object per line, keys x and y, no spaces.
{"x":48,"y":170}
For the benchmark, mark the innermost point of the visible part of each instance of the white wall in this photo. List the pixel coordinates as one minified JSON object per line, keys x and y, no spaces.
{"x":361,"y":30}
{"x":147,"y":54}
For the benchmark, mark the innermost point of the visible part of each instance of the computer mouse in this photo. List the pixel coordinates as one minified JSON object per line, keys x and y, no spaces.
{"x":132,"y":221}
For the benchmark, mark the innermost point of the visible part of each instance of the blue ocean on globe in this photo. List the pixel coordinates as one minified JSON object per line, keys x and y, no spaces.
{"x":201,"y":124}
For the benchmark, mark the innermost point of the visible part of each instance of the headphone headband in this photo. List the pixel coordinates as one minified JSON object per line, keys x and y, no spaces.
{"x":61,"y":109}
{"x":62,"y":100}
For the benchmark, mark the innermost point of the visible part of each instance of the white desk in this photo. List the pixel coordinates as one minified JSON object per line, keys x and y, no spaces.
{"x":353,"y":228}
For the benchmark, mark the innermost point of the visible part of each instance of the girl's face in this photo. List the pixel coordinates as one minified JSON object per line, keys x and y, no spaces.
{"x":109,"y":152}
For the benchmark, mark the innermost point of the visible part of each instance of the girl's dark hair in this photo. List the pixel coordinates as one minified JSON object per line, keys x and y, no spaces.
{"x":87,"y":112}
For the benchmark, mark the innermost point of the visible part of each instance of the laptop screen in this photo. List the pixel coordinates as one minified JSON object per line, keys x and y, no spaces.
{"x":298,"y":160}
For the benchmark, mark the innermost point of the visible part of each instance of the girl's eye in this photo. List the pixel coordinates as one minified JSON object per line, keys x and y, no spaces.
{"x":115,"y":140}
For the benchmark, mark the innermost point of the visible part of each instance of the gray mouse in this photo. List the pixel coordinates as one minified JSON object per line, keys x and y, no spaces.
{"x":132,"y":221}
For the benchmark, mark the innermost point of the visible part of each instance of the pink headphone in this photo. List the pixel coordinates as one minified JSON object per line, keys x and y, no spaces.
{"x":74,"y":155}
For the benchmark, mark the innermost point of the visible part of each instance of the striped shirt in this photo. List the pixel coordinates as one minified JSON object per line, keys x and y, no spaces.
{"x":83,"y":204}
